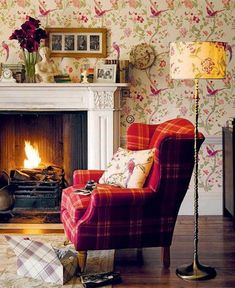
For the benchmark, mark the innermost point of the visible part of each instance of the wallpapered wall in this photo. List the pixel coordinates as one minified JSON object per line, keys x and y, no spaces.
{"x":130,"y":22}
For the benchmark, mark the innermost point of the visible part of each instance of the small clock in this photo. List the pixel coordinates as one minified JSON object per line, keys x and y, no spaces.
{"x":7,"y":75}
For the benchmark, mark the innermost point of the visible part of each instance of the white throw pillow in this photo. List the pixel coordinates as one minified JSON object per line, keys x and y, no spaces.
{"x":128,"y":169}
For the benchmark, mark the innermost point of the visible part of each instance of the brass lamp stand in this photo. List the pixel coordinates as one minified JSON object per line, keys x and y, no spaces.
{"x":196,"y":271}
{"x":197,"y":60}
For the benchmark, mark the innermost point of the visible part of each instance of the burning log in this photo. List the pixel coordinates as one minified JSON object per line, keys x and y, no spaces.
{"x":19,"y":175}
{"x":49,"y":174}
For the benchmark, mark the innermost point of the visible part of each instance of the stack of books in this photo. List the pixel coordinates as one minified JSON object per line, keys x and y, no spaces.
{"x":62,"y":78}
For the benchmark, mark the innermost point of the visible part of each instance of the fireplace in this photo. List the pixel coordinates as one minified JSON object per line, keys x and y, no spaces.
{"x":61,"y":139}
{"x":73,"y":125}
{"x":58,"y":139}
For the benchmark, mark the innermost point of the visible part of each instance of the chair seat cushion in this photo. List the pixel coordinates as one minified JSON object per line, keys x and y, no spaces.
{"x":128,"y":169}
{"x":74,"y":203}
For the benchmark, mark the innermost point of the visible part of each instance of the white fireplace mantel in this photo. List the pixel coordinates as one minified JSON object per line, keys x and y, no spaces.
{"x":100,"y":100}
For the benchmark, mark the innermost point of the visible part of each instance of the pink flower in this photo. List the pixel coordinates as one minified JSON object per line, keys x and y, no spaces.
{"x":163,"y":23}
{"x":76,"y":3}
{"x":188,"y":82}
{"x":108,"y":23}
{"x":170,"y":4}
{"x":183,"y":110}
{"x":59,"y":4}
{"x":226,"y":2}
{"x":140,"y":97}
{"x":126,"y":110}
{"x":188,"y":3}
{"x":206,"y":172}
{"x":84,"y":18}
{"x":127,"y":32}
{"x":220,"y":23}
{"x":149,"y":111}
{"x":163,"y":101}
{"x":21,"y":3}
{"x":221,"y":101}
{"x":162,"y":63}
{"x":196,"y":19}
{"x":114,"y":2}
{"x":205,"y":33}
{"x":228,"y":78}
{"x":183,"y":31}
{"x":140,"y":19}
{"x":132,"y":3}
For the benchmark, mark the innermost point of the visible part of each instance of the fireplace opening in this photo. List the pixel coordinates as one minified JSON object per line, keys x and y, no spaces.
{"x":58,"y":142}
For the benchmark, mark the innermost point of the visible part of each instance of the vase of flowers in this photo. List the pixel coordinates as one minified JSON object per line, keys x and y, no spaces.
{"x":29,"y":37}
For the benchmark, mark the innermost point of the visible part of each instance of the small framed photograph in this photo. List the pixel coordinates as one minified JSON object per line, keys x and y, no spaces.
{"x":105,"y":73}
{"x":77,"y":42}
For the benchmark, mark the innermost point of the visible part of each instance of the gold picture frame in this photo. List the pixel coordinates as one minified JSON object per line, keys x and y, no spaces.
{"x":77,"y":42}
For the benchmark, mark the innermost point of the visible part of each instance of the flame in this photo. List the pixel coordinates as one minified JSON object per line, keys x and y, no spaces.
{"x":33,"y":160}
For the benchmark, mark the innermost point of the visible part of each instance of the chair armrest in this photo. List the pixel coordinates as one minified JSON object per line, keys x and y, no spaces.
{"x":103,"y":197}
{"x":82,"y":176}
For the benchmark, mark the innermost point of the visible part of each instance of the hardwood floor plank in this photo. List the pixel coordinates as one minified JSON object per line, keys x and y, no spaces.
{"x":216,"y":249}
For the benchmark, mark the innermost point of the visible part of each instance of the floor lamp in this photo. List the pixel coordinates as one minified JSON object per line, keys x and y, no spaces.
{"x":197,"y":60}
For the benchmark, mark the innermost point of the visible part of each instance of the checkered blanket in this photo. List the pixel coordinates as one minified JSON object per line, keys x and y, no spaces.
{"x":41,"y":261}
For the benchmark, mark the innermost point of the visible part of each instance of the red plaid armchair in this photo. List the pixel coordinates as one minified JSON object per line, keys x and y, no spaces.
{"x":114,"y":218}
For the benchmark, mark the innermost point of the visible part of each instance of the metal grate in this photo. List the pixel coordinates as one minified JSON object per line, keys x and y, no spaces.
{"x":37,"y":194}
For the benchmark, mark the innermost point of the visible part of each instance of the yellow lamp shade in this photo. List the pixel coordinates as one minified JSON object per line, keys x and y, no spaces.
{"x":197,"y":60}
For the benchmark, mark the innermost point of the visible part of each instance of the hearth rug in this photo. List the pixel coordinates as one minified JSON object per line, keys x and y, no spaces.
{"x":97,"y":262}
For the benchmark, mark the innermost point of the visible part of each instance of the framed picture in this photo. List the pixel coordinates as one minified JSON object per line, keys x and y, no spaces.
{"x":105,"y":73}
{"x":77,"y":42}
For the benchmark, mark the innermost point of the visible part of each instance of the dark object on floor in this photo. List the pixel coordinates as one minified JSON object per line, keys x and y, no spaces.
{"x":7,"y":199}
{"x":100,"y":279}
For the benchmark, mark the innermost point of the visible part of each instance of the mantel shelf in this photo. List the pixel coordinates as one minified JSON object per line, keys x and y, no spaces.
{"x":59,"y":85}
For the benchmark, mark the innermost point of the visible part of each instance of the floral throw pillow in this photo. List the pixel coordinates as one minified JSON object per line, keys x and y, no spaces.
{"x":128,"y":169}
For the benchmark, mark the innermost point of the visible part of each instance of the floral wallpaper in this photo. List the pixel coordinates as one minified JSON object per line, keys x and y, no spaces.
{"x":154,"y":96}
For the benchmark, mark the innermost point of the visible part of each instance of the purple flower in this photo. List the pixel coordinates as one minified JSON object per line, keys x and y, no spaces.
{"x":30,"y":34}
{"x":34,"y":22}
{"x":39,"y":34}
{"x":18,"y":34}
{"x":29,"y":28}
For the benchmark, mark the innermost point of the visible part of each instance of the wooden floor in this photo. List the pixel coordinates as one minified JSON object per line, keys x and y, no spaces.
{"x":216,"y":249}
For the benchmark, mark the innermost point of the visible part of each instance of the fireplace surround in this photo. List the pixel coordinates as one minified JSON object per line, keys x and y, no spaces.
{"x":101,"y":101}
{"x":96,"y":106}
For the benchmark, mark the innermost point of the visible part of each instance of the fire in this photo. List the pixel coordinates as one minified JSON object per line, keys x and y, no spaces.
{"x":33,"y":160}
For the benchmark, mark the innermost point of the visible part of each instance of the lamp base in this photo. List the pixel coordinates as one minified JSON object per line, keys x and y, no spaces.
{"x":196,"y":272}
